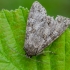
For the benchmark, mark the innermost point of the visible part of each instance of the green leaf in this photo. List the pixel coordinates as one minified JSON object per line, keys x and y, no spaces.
{"x":12,"y":38}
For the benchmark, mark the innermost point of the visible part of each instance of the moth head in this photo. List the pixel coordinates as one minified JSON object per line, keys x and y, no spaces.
{"x":30,"y":51}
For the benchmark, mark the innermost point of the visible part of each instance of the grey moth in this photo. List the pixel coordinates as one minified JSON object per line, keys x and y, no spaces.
{"x":42,"y":29}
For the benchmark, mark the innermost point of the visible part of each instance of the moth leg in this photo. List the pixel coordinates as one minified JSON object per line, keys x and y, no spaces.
{"x":44,"y":53}
{"x":49,"y":52}
{"x":41,"y":53}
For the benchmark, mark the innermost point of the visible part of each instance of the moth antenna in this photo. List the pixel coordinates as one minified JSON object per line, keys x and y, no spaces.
{"x":27,"y":56}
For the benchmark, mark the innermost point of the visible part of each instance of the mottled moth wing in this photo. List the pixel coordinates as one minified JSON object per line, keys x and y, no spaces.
{"x":41,"y":29}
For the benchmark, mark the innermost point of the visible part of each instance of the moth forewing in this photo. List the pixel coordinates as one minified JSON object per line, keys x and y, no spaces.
{"x":42,"y":30}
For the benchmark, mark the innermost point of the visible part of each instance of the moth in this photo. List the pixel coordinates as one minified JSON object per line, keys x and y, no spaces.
{"x":42,"y":29}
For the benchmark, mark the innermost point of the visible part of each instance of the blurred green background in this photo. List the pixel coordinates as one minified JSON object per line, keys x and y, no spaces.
{"x":53,"y":7}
